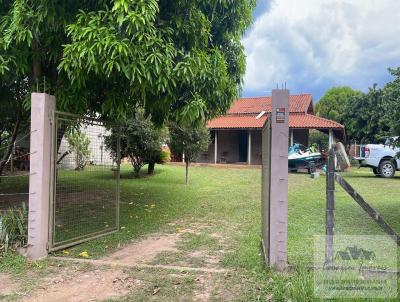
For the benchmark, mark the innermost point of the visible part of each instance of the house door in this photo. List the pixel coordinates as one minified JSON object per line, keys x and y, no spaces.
{"x":242,"y":146}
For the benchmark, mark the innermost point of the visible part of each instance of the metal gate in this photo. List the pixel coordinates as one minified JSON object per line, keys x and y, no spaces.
{"x":85,"y":180}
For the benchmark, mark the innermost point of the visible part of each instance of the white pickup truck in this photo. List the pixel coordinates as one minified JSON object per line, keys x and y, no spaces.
{"x":382,"y":158}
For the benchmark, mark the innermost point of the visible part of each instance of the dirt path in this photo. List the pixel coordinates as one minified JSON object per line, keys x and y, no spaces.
{"x":90,"y":286}
{"x":7,"y":284}
{"x":144,"y":250}
{"x":177,"y":266}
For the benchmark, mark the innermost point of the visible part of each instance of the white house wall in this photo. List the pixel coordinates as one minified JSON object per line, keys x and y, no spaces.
{"x":99,"y":155}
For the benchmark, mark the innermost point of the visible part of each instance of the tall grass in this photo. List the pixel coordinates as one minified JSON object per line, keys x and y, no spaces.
{"x":13,"y":228}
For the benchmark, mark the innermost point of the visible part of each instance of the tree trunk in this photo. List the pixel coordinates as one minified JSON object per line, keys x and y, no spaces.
{"x":136,"y":171}
{"x":36,"y":64}
{"x":187,"y":171}
{"x":10,"y":147}
{"x":150,"y":168}
{"x":137,"y":165}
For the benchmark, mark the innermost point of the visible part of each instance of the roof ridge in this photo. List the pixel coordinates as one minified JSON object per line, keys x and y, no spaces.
{"x":270,"y":96}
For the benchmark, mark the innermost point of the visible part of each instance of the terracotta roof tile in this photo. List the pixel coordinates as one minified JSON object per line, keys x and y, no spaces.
{"x":297,"y":103}
{"x":299,"y":120}
{"x":312,"y":122}
{"x":237,"y":122}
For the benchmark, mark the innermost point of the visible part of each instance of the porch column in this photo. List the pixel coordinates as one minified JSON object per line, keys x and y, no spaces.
{"x":215,"y":146}
{"x":291,"y":137}
{"x":249,"y":147}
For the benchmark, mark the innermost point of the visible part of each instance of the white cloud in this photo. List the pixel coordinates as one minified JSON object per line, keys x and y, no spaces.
{"x":312,"y":43}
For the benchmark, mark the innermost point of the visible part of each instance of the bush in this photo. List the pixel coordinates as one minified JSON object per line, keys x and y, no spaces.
{"x":140,"y":141}
{"x":320,"y":139}
{"x":165,"y":156}
{"x":79,"y":144}
{"x":13,"y":228}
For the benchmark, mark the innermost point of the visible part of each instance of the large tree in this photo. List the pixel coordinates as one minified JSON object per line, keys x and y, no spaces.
{"x":391,"y":94}
{"x":181,"y":56}
{"x":332,"y":105}
{"x":371,"y":117}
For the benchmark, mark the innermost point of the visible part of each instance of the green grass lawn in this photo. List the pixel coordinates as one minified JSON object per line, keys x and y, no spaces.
{"x":230,"y":199}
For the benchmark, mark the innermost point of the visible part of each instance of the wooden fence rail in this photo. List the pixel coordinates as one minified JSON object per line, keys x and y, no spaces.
{"x":367,"y":208}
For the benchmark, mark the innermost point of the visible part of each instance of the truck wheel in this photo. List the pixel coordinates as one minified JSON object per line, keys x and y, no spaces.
{"x":387,"y":168}
{"x":376,"y":171}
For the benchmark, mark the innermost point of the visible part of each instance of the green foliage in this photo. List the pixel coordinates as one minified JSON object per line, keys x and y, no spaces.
{"x":165,"y":156}
{"x":190,"y":141}
{"x":392,"y":104}
{"x":79,"y":144}
{"x":13,"y":228}
{"x":372,"y":116}
{"x":319,"y":139}
{"x":13,"y":116}
{"x":180,"y":57}
{"x":333,"y":103}
{"x":140,"y":141}
{"x":367,"y":117}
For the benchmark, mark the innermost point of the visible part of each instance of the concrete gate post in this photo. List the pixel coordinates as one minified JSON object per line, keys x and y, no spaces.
{"x":42,"y":107}
{"x":275,"y":182}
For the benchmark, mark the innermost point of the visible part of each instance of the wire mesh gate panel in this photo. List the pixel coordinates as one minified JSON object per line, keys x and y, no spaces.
{"x":85,"y":188}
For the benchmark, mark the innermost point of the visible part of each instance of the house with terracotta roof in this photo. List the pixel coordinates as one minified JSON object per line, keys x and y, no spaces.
{"x":236,"y":136}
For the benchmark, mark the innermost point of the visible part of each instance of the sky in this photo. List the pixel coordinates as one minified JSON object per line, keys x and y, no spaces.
{"x":313,"y":45}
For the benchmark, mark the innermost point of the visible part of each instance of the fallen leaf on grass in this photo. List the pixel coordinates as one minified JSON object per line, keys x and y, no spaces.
{"x":156,"y":290}
{"x":65,"y":252}
{"x":84,"y":254}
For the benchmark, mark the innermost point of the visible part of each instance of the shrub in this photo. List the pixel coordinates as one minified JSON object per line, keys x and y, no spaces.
{"x":13,"y":228}
{"x":140,"y":141}
{"x":79,"y":144}
{"x":165,"y":156}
